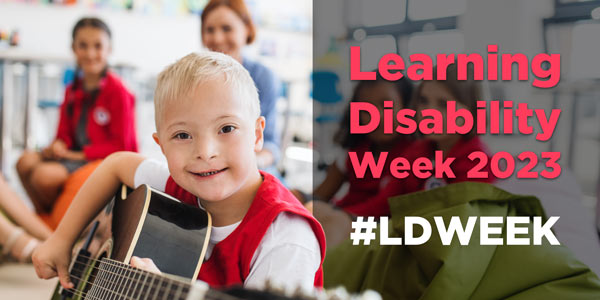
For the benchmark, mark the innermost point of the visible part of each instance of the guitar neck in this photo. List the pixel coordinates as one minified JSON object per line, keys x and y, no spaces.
{"x":120,"y":281}
{"x":116,"y":280}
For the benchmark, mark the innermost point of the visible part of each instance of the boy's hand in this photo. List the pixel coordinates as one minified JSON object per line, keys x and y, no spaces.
{"x":145,"y":264}
{"x":52,"y":258}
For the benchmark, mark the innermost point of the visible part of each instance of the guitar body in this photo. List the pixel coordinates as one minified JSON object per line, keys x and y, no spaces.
{"x":149,"y":224}
{"x":144,"y":223}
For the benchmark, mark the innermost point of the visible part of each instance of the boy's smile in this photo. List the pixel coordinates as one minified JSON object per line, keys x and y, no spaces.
{"x":209,"y":138}
{"x":209,"y":173}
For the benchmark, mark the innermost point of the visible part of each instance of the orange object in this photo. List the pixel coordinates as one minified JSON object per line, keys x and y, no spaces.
{"x":70,"y":189}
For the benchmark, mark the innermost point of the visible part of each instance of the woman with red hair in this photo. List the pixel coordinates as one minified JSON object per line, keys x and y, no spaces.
{"x":227,"y":27}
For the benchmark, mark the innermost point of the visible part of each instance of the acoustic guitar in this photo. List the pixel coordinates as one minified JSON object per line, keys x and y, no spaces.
{"x":149,"y":223}
{"x":143,"y":223}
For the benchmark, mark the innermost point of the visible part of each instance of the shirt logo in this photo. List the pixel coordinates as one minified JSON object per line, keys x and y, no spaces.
{"x":433,"y":183}
{"x":101,"y":116}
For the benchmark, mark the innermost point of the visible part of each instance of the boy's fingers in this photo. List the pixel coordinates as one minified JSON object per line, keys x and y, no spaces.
{"x":135,"y":262}
{"x":63,"y":276}
{"x":145,"y":264}
{"x":148,"y":261}
{"x":44,"y":272}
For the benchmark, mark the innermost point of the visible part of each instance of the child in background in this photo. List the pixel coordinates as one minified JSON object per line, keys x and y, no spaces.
{"x":366,"y":196}
{"x":434,"y":94}
{"x":210,"y":130}
{"x":96,"y":119}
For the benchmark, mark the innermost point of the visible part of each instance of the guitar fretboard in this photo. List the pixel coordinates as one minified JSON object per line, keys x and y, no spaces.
{"x":116,"y":280}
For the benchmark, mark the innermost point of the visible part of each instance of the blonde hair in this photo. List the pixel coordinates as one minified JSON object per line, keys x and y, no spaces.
{"x":183,"y":76}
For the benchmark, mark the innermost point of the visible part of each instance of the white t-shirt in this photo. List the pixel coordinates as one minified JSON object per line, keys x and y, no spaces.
{"x":288,"y":255}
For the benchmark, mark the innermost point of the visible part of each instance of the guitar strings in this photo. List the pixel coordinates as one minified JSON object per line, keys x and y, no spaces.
{"x":215,"y":296}
{"x":125,"y":283}
{"x":82,"y":293}
{"x":133,"y":272}
{"x":116,"y":293}
{"x":129,"y":280}
{"x":99,"y":286}
{"x":169,"y":290}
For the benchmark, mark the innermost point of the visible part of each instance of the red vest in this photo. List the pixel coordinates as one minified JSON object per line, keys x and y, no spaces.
{"x":110,"y":120}
{"x":229,"y":262}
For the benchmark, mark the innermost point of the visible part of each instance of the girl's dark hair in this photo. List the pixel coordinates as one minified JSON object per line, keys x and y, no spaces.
{"x":343,"y":136}
{"x":91,"y":22}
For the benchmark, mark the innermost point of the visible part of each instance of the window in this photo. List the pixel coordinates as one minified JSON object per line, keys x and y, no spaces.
{"x":431,"y":9}
{"x":373,"y":48}
{"x":383,"y":12}
{"x":431,"y":43}
{"x":584,"y":61}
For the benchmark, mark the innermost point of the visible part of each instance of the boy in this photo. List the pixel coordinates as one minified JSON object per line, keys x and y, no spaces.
{"x":209,"y":128}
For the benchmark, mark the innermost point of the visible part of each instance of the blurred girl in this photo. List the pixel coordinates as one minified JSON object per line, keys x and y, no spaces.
{"x":366,"y":196}
{"x":434,"y":94}
{"x":96,"y":118}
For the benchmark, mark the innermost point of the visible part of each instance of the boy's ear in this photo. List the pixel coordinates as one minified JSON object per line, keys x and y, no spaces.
{"x":258,"y":132}
{"x":157,"y":141}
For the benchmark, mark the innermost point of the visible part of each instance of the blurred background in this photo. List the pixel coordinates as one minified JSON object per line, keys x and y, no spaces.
{"x":405,"y":27}
{"x":568,"y":27}
{"x":300,"y":39}
{"x":36,"y":62}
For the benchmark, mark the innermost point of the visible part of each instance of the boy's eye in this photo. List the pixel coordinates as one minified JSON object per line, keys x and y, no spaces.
{"x":182,"y":136}
{"x":227,"y":129}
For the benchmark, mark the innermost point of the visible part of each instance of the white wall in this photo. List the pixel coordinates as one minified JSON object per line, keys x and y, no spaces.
{"x":148,"y":42}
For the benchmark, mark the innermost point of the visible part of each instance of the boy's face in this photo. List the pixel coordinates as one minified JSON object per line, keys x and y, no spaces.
{"x":210,"y":139}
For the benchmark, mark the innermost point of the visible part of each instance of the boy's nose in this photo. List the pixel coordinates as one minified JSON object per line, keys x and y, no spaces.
{"x":206,"y":150}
